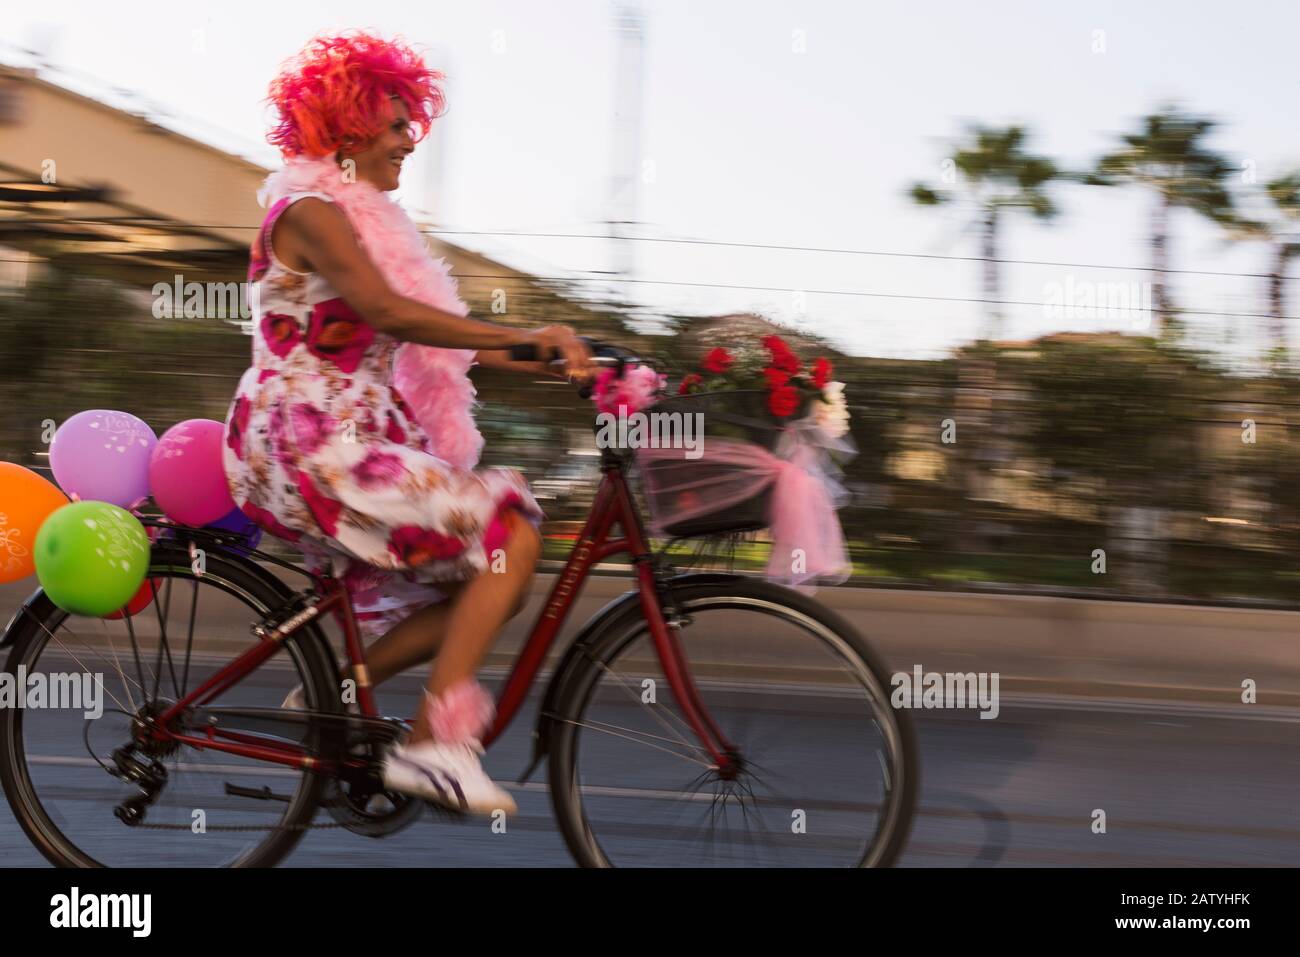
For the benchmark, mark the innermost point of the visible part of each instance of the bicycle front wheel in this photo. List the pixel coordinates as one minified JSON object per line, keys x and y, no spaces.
{"x":828,"y":770}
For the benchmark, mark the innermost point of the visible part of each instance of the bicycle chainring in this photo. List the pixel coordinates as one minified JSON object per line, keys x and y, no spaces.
{"x":359,"y":802}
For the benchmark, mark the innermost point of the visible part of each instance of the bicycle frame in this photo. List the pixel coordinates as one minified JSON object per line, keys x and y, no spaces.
{"x":613,"y":505}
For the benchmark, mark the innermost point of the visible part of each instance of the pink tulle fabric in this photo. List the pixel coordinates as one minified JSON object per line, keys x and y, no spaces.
{"x":807,"y":541}
{"x":462,"y":713}
{"x":433,"y":381}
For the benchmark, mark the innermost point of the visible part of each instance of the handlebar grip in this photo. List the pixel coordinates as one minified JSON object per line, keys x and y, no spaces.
{"x":527,"y":352}
{"x":523,"y":352}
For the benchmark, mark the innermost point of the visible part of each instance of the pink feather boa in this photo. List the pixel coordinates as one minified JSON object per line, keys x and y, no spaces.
{"x":433,"y":381}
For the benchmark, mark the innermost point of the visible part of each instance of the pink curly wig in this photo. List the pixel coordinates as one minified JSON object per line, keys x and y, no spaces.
{"x":335,"y":93}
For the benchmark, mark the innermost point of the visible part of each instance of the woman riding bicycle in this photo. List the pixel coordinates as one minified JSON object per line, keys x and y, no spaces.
{"x":324,"y":451}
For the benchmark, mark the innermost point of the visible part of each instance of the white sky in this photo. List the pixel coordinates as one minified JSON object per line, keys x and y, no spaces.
{"x":753,"y":141}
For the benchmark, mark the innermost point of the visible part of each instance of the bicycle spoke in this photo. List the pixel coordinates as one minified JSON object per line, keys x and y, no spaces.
{"x":189,"y":637}
{"x":135,"y":649}
{"x":630,"y":736}
{"x":117,"y":662}
{"x":667,"y":727}
{"x":685,"y":802}
{"x":162,"y":644}
{"x":87,"y":670}
{"x":758,"y":814}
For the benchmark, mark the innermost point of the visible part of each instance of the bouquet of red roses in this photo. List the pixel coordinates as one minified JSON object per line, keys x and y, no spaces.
{"x":790,"y":391}
{"x":749,"y":474}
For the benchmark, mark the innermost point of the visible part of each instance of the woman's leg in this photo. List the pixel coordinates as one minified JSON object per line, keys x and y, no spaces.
{"x":416,"y":638}
{"x":477,"y":611}
{"x":412,"y":641}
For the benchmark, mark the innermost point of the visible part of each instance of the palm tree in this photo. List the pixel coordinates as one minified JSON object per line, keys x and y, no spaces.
{"x":1168,"y":156}
{"x":997,"y":174}
{"x":1284,"y":232}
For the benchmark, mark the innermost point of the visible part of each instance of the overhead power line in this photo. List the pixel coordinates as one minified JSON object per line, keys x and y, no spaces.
{"x":774,"y":247}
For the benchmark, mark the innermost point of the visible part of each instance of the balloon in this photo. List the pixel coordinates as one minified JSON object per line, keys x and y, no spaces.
{"x":103,"y":456}
{"x":239,"y":523}
{"x":91,"y":557}
{"x":26,"y":500}
{"x":186,"y":474}
{"x":143,"y":598}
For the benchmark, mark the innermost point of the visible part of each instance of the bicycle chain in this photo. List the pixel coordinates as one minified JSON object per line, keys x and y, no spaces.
{"x":237,"y":827}
{"x":245,"y":827}
{"x":242,"y":827}
{"x":144,"y":826}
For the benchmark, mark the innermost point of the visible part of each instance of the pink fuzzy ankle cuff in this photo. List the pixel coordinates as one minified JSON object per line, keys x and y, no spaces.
{"x":462,"y":713}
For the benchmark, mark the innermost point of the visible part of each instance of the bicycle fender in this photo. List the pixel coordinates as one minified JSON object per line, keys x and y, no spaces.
{"x":33,"y":599}
{"x":578,"y":648}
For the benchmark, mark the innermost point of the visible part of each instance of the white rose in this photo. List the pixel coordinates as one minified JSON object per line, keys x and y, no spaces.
{"x":833,"y":412}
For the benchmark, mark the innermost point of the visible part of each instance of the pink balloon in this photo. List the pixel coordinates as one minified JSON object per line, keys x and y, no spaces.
{"x":186,"y":474}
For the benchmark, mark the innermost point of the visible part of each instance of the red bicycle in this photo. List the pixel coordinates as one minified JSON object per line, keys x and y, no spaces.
{"x":699,"y":719}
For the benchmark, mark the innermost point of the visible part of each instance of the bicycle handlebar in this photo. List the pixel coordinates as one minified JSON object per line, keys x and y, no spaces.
{"x":602,"y":354}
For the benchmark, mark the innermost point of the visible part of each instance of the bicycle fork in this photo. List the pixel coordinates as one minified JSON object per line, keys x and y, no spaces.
{"x":613,"y":505}
{"x":667,"y":641}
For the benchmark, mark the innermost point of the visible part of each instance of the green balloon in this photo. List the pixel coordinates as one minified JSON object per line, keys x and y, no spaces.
{"x":91,"y":557}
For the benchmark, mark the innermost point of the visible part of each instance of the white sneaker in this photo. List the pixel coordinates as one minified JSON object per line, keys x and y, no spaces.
{"x":447,"y":774}
{"x":296,"y":700}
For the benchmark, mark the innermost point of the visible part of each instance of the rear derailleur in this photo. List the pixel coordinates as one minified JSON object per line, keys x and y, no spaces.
{"x":148,"y":775}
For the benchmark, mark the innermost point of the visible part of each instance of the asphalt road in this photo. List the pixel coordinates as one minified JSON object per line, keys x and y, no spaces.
{"x":1182,"y":779}
{"x":1180,"y":786}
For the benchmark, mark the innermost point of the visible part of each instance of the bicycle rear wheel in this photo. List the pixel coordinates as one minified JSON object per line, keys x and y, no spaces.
{"x":213,"y":809}
{"x":829,"y":772}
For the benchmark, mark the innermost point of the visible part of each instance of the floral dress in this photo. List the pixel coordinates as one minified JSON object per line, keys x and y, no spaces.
{"x":321,"y":450}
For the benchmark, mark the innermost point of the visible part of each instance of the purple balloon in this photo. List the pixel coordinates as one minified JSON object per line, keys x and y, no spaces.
{"x":102,"y":455}
{"x":239,"y":523}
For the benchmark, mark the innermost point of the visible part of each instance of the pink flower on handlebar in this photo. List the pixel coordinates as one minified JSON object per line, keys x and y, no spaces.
{"x":631,"y":392}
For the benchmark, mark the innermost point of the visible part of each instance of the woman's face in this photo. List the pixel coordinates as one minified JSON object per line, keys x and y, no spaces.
{"x":379,"y":163}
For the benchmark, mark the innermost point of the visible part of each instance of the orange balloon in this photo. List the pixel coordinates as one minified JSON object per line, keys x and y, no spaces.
{"x":26,"y":501}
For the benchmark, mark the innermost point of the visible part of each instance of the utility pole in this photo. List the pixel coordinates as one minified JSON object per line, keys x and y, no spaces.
{"x":623,"y":207}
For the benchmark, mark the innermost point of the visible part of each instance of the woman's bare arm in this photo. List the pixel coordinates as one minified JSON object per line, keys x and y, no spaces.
{"x":316,"y":235}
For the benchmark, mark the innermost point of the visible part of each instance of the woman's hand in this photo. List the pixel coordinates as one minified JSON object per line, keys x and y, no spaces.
{"x":561,"y":342}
